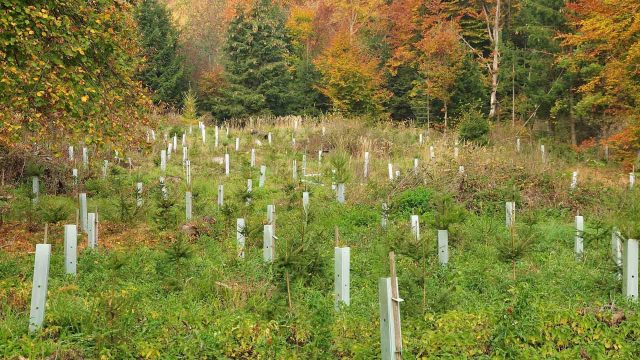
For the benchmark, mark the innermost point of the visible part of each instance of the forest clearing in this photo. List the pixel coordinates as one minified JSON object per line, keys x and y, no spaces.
{"x":319,"y":179}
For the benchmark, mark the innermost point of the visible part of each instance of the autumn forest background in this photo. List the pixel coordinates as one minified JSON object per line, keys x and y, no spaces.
{"x":93,"y":69}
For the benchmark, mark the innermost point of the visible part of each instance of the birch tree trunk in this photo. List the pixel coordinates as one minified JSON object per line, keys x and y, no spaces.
{"x":495,"y":66}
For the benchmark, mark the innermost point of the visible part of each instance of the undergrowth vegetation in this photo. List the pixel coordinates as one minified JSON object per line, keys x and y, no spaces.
{"x":158,"y":286}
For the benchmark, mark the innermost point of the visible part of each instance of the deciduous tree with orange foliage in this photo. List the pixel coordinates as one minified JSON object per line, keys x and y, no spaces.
{"x":607,"y":52}
{"x":350,"y":79}
{"x":426,"y":36}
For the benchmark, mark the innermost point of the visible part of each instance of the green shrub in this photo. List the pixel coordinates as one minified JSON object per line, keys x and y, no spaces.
{"x":176,"y":130}
{"x":54,"y":210}
{"x":414,"y":201}
{"x":33,"y":169}
{"x":448,"y":212}
{"x":474,"y":127}
{"x":97,"y":187}
{"x":340,"y":162}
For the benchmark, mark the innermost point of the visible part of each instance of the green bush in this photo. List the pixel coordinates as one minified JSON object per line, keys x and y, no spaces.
{"x":474,"y":127}
{"x":55,"y":210}
{"x":414,"y":201}
{"x":448,"y":212}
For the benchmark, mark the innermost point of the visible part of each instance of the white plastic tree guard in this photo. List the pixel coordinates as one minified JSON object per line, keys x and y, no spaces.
{"x":92,"y":236}
{"x":271,"y":210}
{"x":630,"y":269}
{"x":616,"y":247}
{"x":387,"y":325}
{"x":240,"y":237}
{"x":35,"y":189}
{"x":340,"y":196}
{"x":163,"y":160}
{"x":415,"y":227}
{"x":305,"y":201}
{"x":341,"y":275}
{"x":139,"y":194}
{"x":579,"y":246}
{"x":83,"y":211}
{"x":510,"y":213}
{"x":294,"y":169}
{"x":85,"y":157}
{"x":39,"y":289}
{"x":268,"y":246}
{"x":220,"y":195}
{"x":263,"y":175}
{"x":574,"y":180}
{"x":385,"y":215}
{"x":366,"y":164}
{"x":70,"y":249}
{"x":188,"y":205}
{"x":443,"y":247}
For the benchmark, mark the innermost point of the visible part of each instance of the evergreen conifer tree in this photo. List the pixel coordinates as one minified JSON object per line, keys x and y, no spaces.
{"x":257,"y":69}
{"x":164,"y":72}
{"x":189,"y":107}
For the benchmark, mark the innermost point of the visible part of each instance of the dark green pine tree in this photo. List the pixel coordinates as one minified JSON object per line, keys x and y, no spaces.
{"x":257,"y":69}
{"x":164,"y":72}
{"x":529,"y":65}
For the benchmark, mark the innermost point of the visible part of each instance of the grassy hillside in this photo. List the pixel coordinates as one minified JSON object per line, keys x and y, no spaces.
{"x":160,"y":287}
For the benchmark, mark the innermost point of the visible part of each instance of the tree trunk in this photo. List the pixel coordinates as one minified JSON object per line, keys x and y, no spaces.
{"x":446,"y":116}
{"x":572,"y":120}
{"x":495,"y":67}
{"x":513,"y":93}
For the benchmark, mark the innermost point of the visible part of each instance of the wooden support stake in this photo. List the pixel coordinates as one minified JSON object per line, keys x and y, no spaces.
{"x":395,"y":298}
